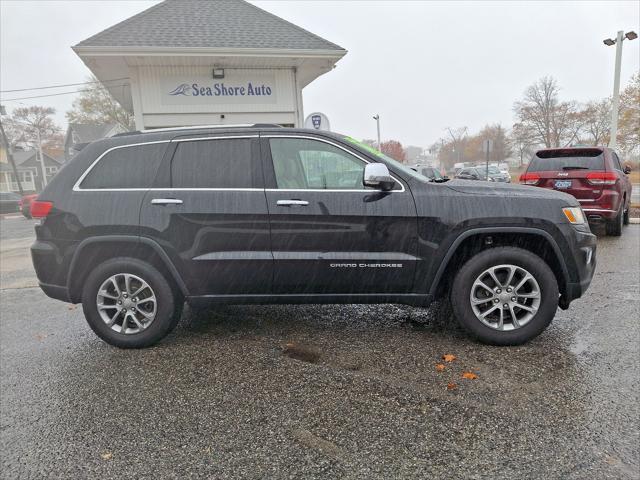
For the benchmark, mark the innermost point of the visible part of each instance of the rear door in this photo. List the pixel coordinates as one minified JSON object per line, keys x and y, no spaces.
{"x":330,"y":234}
{"x":567,"y":170}
{"x":211,"y":218}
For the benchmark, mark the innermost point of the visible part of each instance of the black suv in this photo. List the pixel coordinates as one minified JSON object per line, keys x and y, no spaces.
{"x":136,"y":224}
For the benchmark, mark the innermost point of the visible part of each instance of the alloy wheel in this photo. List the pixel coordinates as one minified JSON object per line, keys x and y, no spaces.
{"x":126,"y":303}
{"x":505,"y":297}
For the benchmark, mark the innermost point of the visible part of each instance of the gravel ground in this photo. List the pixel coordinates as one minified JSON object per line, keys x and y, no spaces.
{"x":323,"y":391}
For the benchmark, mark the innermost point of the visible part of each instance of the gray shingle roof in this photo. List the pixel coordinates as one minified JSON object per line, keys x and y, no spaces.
{"x":88,"y":133}
{"x":207,"y":23}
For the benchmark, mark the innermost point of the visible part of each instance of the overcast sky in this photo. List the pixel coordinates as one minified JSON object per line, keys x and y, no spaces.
{"x":423,"y":66}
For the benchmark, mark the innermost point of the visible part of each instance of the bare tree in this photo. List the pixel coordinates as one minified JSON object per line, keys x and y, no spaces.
{"x":32,"y":125}
{"x":521,"y":140}
{"x":551,"y":122}
{"x":596,"y":122}
{"x":458,"y":141}
{"x":96,"y":106}
{"x":629,"y":123}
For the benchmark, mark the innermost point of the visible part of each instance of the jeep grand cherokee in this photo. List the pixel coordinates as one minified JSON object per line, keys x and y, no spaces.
{"x":136,"y":224}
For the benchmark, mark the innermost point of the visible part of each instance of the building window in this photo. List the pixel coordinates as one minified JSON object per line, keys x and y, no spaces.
{"x":52,"y":170}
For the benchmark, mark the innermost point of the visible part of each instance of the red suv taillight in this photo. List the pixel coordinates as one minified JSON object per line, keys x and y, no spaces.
{"x":601,"y":178}
{"x":40,"y":209}
{"x":529,"y":179}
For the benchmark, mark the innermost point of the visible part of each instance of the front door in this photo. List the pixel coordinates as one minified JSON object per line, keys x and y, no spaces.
{"x":212,"y":218}
{"x":330,"y":234}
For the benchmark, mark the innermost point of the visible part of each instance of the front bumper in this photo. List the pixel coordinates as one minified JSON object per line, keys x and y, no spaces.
{"x":582,"y":245}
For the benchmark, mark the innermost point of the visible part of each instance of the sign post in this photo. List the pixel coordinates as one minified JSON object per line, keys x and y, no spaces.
{"x":487,"y":147}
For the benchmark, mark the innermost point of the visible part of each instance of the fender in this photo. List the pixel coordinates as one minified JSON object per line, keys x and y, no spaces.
{"x":474,"y":231}
{"x":127,"y":239}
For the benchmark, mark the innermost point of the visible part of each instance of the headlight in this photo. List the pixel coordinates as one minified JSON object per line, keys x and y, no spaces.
{"x":574,"y":215}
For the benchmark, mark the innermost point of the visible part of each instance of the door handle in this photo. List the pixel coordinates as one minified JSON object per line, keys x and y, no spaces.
{"x":292,"y":203}
{"x":166,"y":201}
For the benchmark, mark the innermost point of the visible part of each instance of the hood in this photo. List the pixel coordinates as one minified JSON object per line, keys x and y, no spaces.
{"x":475,"y":187}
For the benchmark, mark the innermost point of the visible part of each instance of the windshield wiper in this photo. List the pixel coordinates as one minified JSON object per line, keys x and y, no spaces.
{"x":575,"y":167}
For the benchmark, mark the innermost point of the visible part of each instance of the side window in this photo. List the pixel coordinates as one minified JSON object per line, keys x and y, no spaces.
{"x":128,"y":167}
{"x":224,"y":163}
{"x":301,"y":163}
{"x":616,"y":161}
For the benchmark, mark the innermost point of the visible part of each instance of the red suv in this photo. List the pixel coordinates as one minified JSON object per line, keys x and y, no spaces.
{"x":593,"y":175}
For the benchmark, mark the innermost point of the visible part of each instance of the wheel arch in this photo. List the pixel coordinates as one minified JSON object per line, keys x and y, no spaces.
{"x":475,"y":240}
{"x":94,"y":250}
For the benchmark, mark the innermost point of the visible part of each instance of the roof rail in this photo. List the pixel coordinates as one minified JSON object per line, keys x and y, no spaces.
{"x":197,"y":127}
{"x":200,"y":127}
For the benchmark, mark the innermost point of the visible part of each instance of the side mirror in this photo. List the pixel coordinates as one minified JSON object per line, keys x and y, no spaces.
{"x":377,"y":175}
{"x":627,"y":170}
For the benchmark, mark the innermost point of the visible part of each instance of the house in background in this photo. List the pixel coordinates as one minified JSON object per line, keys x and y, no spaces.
{"x":29,"y":170}
{"x":80,"y":134}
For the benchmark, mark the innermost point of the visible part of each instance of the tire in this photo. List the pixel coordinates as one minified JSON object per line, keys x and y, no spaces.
{"x":614,"y":226}
{"x":505,"y":259}
{"x":168,"y":305}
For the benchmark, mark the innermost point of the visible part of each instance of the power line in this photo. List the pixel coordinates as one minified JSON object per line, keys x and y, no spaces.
{"x":60,"y":93}
{"x":63,"y":85}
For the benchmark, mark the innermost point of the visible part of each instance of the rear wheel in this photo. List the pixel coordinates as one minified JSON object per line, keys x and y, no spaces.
{"x":129,"y":303}
{"x":505,"y":296}
{"x":625,"y":216}
{"x":614,"y":226}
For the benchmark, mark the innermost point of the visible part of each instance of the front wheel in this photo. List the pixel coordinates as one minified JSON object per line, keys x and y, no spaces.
{"x":128,"y":303}
{"x":505,"y":296}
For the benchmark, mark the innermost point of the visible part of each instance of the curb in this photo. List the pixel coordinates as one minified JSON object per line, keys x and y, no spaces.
{"x":634,"y":220}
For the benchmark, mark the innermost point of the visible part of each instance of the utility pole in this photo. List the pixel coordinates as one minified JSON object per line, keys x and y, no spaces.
{"x":10,"y":157}
{"x":620,"y":37}
{"x":44,"y":170}
{"x":376,"y":117}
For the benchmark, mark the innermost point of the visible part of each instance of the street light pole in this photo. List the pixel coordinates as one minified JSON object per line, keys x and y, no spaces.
{"x":620,"y":37}
{"x":376,"y":117}
{"x":616,"y":92}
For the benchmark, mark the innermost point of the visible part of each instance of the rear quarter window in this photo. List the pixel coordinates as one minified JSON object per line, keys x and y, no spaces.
{"x":555,"y":160}
{"x":126,"y":167}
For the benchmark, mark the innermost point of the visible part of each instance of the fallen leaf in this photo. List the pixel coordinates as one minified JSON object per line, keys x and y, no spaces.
{"x":439,"y":367}
{"x":40,"y":336}
{"x":451,"y":386}
{"x":469,"y":375}
{"x":107,"y":455}
{"x":72,"y":307}
{"x":301,"y":352}
{"x":447,"y":357}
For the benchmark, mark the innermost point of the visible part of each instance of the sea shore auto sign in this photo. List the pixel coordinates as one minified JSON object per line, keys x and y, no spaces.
{"x":259,"y":89}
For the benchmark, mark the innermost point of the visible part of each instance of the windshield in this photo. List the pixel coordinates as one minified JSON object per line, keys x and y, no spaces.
{"x":393,"y":163}
{"x":556,"y":160}
{"x":493,"y":169}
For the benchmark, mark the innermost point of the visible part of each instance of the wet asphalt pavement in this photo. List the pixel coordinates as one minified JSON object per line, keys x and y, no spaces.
{"x":361,"y":397}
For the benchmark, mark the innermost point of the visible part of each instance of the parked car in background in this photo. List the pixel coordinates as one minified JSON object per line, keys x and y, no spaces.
{"x":9,"y":202}
{"x":473,"y":173}
{"x":25,"y":204}
{"x":135,"y":225}
{"x":595,"y":176}
{"x":495,"y":172}
{"x":432,"y":173}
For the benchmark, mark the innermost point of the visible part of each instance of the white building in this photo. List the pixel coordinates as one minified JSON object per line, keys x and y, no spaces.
{"x":193,"y":62}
